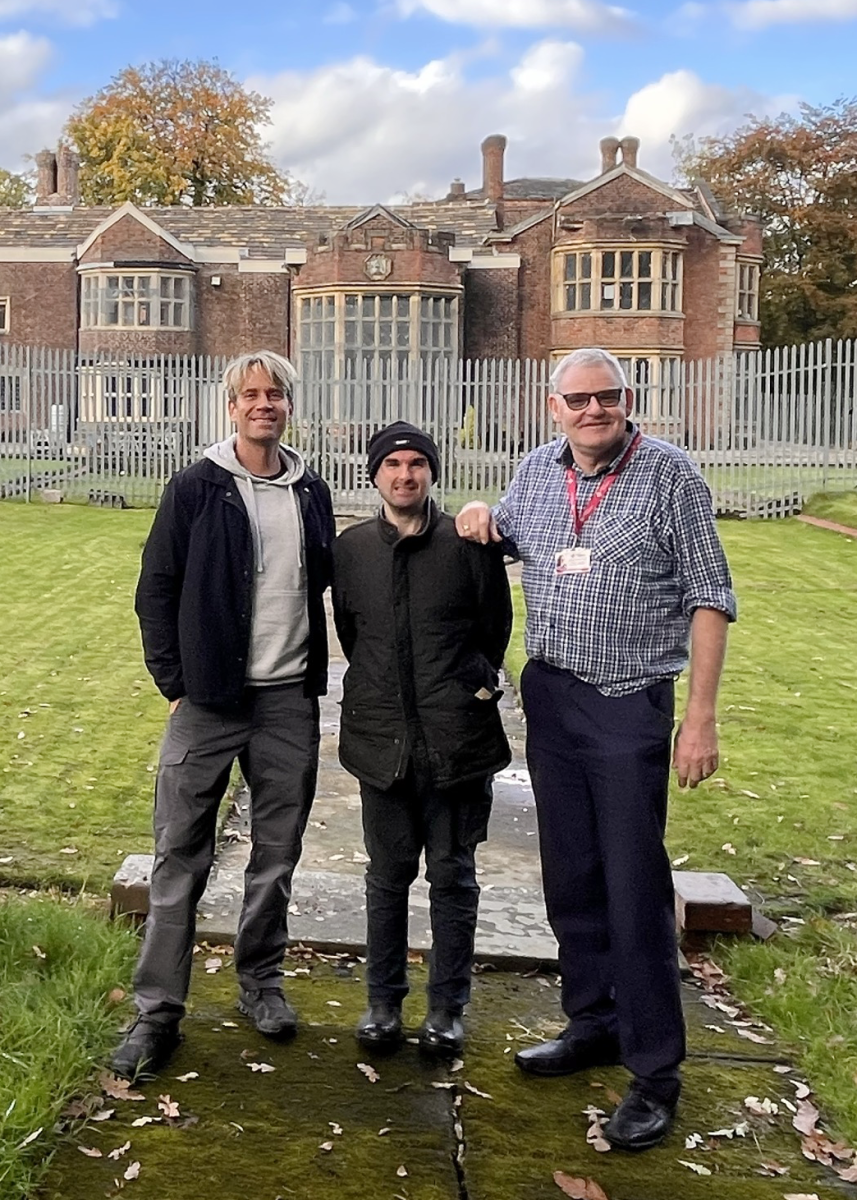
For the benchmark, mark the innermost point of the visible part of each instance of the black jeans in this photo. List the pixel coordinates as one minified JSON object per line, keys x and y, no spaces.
{"x":274,"y":735}
{"x":398,"y":823}
{"x":600,"y":771}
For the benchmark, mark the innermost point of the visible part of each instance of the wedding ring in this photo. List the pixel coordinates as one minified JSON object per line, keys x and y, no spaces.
{"x":466,"y":528}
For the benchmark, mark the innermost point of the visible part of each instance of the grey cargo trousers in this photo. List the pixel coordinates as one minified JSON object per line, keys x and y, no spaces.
{"x":274,"y":734}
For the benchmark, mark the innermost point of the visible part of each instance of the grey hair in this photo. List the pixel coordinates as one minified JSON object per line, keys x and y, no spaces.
{"x":588,"y":356}
{"x":280,"y":369}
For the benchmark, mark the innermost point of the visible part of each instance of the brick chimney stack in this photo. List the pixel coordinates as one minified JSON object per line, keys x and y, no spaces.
{"x":456,"y":190}
{"x":493,"y":150}
{"x":630,"y":146}
{"x":609,"y":147}
{"x":46,"y":183}
{"x":68,"y":176}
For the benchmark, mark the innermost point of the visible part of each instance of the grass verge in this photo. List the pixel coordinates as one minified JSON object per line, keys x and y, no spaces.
{"x":840,"y":507}
{"x":777,"y":816}
{"x":58,"y":963}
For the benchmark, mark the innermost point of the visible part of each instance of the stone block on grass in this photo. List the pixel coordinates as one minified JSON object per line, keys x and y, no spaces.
{"x":710,"y":902}
{"x":129,"y":895}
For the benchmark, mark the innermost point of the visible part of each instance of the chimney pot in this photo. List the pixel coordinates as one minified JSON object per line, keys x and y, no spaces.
{"x":456,"y":190}
{"x":630,"y":146}
{"x":493,"y":151}
{"x":609,"y":147}
{"x":46,"y":182}
{"x":68,"y":176}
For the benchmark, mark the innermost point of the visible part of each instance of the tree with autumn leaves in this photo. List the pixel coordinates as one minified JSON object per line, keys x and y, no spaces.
{"x":799,"y":175}
{"x":14,"y":190}
{"x":177,"y":132}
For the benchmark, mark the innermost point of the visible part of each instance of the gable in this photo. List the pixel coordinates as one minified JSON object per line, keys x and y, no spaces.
{"x":624,"y":189}
{"x":130,"y":235}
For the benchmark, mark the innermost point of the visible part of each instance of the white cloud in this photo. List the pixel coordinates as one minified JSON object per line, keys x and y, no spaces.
{"x":22,"y":59}
{"x":680,"y":103}
{"x":341,"y":14}
{"x":70,"y":12}
{"x":588,"y":16}
{"x":760,"y":14}
{"x":362,"y":132}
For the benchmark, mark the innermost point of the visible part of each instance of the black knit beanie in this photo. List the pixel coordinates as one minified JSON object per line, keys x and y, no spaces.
{"x":401,"y":436}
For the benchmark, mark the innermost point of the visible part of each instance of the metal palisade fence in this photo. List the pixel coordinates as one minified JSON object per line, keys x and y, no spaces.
{"x":767,"y":429}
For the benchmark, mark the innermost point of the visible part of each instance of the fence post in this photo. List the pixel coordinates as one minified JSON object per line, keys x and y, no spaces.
{"x":825,"y":418}
{"x":28,"y":379}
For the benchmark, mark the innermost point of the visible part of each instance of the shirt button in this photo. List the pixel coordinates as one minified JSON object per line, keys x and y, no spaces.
{"x":395,"y":741}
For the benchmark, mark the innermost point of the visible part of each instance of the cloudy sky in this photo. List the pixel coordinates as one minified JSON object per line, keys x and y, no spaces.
{"x":376,"y":98}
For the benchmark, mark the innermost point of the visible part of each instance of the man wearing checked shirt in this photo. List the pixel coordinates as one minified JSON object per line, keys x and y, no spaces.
{"x":623,"y":573}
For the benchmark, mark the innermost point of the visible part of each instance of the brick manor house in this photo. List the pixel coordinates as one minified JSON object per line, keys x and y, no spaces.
{"x":517,"y":268}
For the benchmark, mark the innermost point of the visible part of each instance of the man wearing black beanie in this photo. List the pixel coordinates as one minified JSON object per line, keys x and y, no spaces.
{"x":424,"y":618}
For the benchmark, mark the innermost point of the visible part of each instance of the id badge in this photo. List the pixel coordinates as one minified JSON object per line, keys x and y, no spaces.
{"x":577,"y":561}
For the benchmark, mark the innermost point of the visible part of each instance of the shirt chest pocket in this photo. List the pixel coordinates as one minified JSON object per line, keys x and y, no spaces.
{"x":620,"y":539}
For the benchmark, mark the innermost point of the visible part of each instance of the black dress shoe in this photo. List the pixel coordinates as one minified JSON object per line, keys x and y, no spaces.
{"x":380,"y":1026}
{"x":146,"y":1047}
{"x":442,"y":1033}
{"x":640,"y":1122}
{"x":270,"y":1012}
{"x":566,"y":1054}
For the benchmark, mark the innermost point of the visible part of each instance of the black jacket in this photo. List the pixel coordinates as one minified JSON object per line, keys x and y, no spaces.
{"x":424,"y":622}
{"x":195,"y":594}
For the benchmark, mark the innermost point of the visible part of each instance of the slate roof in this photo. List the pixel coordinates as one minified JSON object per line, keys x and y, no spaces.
{"x":533,"y":189}
{"x":266,"y":232}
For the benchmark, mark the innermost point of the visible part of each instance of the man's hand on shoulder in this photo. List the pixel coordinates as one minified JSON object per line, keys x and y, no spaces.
{"x":695,"y":752}
{"x":475,"y":523}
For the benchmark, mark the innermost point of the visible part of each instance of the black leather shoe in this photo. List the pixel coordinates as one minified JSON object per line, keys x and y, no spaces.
{"x":566,"y":1054}
{"x":269,"y":1011}
{"x":380,"y":1026}
{"x":442,"y":1033}
{"x":146,"y":1047}
{"x":640,"y":1121}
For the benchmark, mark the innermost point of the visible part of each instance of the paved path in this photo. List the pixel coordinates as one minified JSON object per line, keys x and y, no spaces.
{"x":821,"y":523}
{"x":328,"y":907}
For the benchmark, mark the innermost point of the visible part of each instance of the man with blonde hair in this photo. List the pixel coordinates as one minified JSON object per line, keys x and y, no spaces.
{"x":623,"y":571}
{"x":230,"y":604}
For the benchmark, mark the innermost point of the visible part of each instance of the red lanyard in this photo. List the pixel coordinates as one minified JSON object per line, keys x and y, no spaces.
{"x":601,"y":491}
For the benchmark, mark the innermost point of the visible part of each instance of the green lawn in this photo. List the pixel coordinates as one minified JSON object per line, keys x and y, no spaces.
{"x":80,"y":720}
{"x":56,"y":1021}
{"x":786,"y":791}
{"x":834,"y":506}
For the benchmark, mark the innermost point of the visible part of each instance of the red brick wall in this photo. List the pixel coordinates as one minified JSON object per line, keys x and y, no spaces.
{"x":619,"y":331}
{"x":129,"y":241}
{"x":42,"y":304}
{"x":343,"y":265}
{"x":534,"y":297}
{"x":142,"y":342}
{"x":246,"y":312}
{"x":491,"y":314}
{"x":701,"y":275}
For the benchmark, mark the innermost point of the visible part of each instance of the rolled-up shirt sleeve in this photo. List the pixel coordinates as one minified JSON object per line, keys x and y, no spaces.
{"x":702,"y":567}
{"x":504,"y":512}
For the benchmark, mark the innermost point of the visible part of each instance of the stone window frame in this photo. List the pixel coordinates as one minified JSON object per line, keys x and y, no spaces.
{"x":337,"y":322}
{"x":647,"y":278}
{"x":4,"y":314}
{"x":655,"y":376}
{"x":132,"y":300}
{"x":748,"y":279}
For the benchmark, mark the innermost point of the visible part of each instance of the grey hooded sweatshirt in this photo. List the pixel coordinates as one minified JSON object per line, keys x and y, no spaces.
{"x":279,"y":638}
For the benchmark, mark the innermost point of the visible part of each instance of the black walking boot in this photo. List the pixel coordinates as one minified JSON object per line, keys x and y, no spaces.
{"x":442,"y":1033}
{"x":269,"y":1011}
{"x":380,"y":1026}
{"x":567,"y":1054}
{"x":641,"y":1120}
{"x":145,"y":1048}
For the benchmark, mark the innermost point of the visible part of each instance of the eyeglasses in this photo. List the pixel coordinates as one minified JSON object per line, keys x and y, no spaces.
{"x":608,"y":398}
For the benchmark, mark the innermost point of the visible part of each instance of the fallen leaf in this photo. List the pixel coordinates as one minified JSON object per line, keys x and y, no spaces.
{"x":697,"y":1167}
{"x":761,"y":1108}
{"x":90,"y":1152}
{"x":383,"y":1132}
{"x":188,"y":1076}
{"x":168,"y":1106}
{"x":118,"y":1089}
{"x":807,"y":1115}
{"x":807,"y":862}
{"x":694,"y":1140}
{"x":579,"y":1189}
{"x":802,"y":1090}
{"x":31,"y":1137}
{"x":402,"y":1172}
{"x":457,"y":1065}
{"x":116,"y":995}
{"x":754,"y":1037}
{"x":103,"y":1114}
{"x":476,"y":1091}
{"x":729,"y":848}
{"x":213,"y":965}
{"x":437,"y":1083}
{"x":370,"y":1072}
{"x":800,"y":1195}
{"x":335,"y":1129}
{"x":141,"y":1121}
{"x":772,"y":1169}
{"x":262,"y":1068}
{"x":326,"y":1147}
{"x":681,"y":860}
{"x":119,"y":1151}
{"x":39,"y":953}
{"x":229,"y":1024}
{"x":848,"y":1174}
{"x":334,"y":1004}
{"x":133,"y":1171}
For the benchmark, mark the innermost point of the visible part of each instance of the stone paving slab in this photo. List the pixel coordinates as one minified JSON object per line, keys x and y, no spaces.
{"x":312,"y":1127}
{"x":328,"y":906}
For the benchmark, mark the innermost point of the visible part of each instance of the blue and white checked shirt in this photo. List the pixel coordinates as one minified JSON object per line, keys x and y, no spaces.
{"x":656,"y":557}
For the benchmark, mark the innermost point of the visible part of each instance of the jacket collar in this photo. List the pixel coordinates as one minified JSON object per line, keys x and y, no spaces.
{"x":390,"y":533}
{"x":214,"y":473}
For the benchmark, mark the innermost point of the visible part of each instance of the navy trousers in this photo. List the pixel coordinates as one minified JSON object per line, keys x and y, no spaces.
{"x":600,"y":772}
